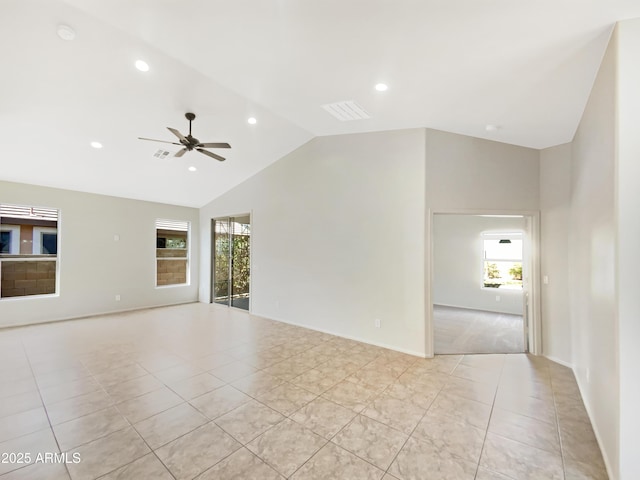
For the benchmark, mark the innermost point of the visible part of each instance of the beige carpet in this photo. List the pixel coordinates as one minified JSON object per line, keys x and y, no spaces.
{"x":461,"y":330}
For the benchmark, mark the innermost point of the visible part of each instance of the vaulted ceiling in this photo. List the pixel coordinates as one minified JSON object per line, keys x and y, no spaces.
{"x":458,"y":65}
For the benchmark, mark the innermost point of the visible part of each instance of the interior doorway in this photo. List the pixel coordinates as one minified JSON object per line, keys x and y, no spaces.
{"x":231,"y":265}
{"x":481,"y":279}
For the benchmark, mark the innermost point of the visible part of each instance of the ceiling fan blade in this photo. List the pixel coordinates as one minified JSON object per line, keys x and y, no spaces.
{"x":178,"y":134}
{"x":214,"y":145}
{"x":161,"y":141}
{"x":211,"y":154}
{"x":179,"y":153}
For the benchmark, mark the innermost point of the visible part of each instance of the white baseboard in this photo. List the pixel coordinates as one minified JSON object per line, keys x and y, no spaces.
{"x":605,"y":458}
{"x":607,"y":462}
{"x":477,"y":309}
{"x":557,"y":360}
{"x":348,"y":337}
{"x":93,"y":315}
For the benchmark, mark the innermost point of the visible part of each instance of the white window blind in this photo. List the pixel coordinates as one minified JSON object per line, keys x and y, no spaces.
{"x":177,"y":225}
{"x":33,"y":213}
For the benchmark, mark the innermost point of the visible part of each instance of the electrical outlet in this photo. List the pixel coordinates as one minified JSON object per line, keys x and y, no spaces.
{"x":377,"y":323}
{"x":117,"y":298}
{"x":116,"y":238}
{"x":497,"y":298}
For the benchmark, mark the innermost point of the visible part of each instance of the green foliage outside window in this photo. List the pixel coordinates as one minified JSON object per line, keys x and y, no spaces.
{"x":176,"y":243}
{"x":241,"y":263}
{"x":516,"y":271}
{"x":492,"y":270}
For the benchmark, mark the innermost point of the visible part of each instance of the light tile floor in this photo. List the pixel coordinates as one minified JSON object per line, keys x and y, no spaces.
{"x":202,"y":391}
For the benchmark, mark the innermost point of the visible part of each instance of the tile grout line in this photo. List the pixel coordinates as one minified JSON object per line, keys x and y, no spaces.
{"x":327,"y":441}
{"x":210,"y":420}
{"x":557,"y":417}
{"x":44,"y":407}
{"x":151,"y":450}
{"x":421,"y":418}
{"x":486,"y":433}
{"x":114,"y":405}
{"x":386,"y":471}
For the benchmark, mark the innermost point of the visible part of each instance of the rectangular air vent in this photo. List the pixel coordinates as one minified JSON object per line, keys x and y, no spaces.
{"x":161,"y":154}
{"x":346,"y":111}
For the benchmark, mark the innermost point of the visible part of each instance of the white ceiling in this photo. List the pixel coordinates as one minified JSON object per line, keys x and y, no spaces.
{"x":453,"y":65}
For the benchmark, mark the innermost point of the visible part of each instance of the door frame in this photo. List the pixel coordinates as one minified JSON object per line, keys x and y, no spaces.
{"x":213,"y":258}
{"x":534,"y":328}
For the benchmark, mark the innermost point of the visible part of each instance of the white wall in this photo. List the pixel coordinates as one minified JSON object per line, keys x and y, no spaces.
{"x":458,"y":263}
{"x":471,"y":173}
{"x":555,"y":198}
{"x":93,"y":267}
{"x":592,"y":259}
{"x":338,"y":235}
{"x":628,"y":201}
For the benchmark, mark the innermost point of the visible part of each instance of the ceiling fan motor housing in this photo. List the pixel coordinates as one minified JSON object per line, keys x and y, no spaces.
{"x":191,"y":143}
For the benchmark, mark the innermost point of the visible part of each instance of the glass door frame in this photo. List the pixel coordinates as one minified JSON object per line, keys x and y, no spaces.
{"x":229,"y":220}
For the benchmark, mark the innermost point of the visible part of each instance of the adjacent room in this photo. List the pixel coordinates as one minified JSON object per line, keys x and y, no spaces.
{"x":316,"y":240}
{"x":480,"y":277}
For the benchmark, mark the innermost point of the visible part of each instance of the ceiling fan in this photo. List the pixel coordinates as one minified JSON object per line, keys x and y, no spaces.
{"x":191,"y":143}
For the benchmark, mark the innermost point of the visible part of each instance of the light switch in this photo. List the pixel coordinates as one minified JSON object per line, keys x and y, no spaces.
{"x":545,"y":280}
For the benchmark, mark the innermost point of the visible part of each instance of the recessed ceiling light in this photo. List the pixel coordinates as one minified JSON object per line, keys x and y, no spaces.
{"x":96,"y":144}
{"x":192,"y":169}
{"x":492,"y":128}
{"x":252,"y":121}
{"x":142,"y":65}
{"x":65,"y":32}
{"x":382,"y":87}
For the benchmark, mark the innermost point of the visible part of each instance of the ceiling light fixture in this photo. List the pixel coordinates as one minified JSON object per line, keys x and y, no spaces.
{"x":142,"y":65}
{"x":252,"y":121}
{"x":382,"y":87}
{"x":96,"y":144}
{"x":65,"y":32}
{"x":192,"y":169}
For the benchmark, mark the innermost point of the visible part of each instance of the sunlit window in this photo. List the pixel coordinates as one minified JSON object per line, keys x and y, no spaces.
{"x":502,"y":260}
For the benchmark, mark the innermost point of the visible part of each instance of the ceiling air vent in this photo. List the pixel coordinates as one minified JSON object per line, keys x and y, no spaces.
{"x":161,"y":154}
{"x":346,"y":111}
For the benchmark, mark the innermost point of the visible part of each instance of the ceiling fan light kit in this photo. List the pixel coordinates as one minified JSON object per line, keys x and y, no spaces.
{"x":190,"y":143}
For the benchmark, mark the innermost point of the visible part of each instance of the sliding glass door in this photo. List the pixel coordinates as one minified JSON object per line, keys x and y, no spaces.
{"x":231,"y":261}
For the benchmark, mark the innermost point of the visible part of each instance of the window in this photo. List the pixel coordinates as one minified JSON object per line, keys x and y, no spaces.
{"x":502,"y":260}
{"x":9,"y":238}
{"x":172,"y":252}
{"x":28,"y":251}
{"x":45,"y":240}
{"x":5,"y":241}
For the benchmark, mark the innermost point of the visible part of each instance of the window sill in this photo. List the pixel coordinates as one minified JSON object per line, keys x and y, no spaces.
{"x":501,"y":289}
{"x":29,"y":297}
